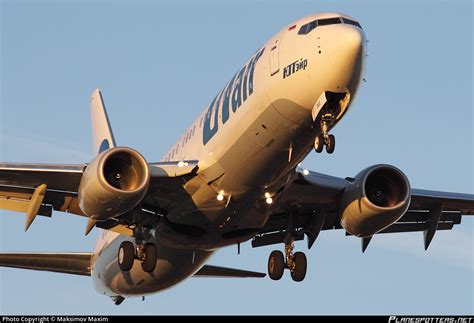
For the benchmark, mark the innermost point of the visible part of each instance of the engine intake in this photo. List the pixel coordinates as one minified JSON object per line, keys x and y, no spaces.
{"x":113,"y":183}
{"x":378,"y":197}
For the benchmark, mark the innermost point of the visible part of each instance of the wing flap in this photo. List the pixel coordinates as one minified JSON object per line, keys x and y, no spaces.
{"x":67,"y":263}
{"x":223,"y":272}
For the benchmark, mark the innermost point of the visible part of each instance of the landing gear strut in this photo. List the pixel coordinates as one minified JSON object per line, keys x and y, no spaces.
{"x":296,"y":263}
{"x":145,"y":252}
{"x":325,"y":139}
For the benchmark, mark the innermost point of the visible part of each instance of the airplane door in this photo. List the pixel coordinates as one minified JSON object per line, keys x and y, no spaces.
{"x":274,"y":56}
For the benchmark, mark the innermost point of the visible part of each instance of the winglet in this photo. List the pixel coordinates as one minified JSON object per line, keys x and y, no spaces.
{"x":102,"y":135}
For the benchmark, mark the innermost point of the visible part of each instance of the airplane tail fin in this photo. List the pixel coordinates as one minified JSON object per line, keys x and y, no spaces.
{"x":102,"y":135}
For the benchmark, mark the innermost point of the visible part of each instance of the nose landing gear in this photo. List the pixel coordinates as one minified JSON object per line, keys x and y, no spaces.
{"x":325,"y":139}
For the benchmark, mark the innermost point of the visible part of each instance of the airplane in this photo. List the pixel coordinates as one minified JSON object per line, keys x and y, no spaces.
{"x":232,"y":177}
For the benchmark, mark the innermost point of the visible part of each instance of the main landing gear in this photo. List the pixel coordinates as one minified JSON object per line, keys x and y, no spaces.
{"x":325,"y":139}
{"x":296,"y":263}
{"x":145,"y":252}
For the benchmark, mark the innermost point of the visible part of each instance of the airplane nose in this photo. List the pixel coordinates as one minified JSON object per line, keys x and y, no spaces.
{"x":347,"y":58}
{"x":351,"y":42}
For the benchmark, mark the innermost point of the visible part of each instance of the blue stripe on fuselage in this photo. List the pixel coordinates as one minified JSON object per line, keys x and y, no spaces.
{"x":235,"y":93}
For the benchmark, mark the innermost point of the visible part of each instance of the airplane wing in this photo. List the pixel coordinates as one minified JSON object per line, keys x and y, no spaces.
{"x":38,"y":189}
{"x":314,"y":200}
{"x":74,"y":263}
{"x":79,"y":263}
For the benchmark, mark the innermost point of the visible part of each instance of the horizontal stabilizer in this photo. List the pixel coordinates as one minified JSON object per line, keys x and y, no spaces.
{"x":76,"y":263}
{"x":222,"y":272}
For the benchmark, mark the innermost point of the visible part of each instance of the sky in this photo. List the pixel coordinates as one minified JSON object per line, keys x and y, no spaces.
{"x":159,"y":63}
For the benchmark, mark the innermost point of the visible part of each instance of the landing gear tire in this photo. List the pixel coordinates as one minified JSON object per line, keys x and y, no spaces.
{"x":330,"y":144}
{"x":149,"y":263}
{"x":276,"y":265}
{"x":126,"y":256}
{"x":300,"y":266}
{"x":319,"y":144}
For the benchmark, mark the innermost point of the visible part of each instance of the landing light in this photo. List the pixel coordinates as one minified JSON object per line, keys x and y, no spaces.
{"x":182,"y":163}
{"x":305,"y":172}
{"x":267,"y":195}
{"x":220,"y":197}
{"x":269,"y":200}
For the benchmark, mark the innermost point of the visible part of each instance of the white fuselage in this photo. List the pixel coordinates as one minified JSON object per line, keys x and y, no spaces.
{"x":248,"y":142}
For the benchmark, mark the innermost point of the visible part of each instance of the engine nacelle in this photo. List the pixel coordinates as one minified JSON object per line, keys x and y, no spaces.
{"x":375,"y":199}
{"x":113,"y":183}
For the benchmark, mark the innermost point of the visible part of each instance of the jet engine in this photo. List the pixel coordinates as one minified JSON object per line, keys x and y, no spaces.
{"x":376,"y":198}
{"x":113,"y":183}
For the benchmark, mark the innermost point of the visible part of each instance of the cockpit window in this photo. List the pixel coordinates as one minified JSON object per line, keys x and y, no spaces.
{"x":351,"y":22}
{"x":308,"y":27}
{"x":329,"y":21}
{"x":305,"y":29}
